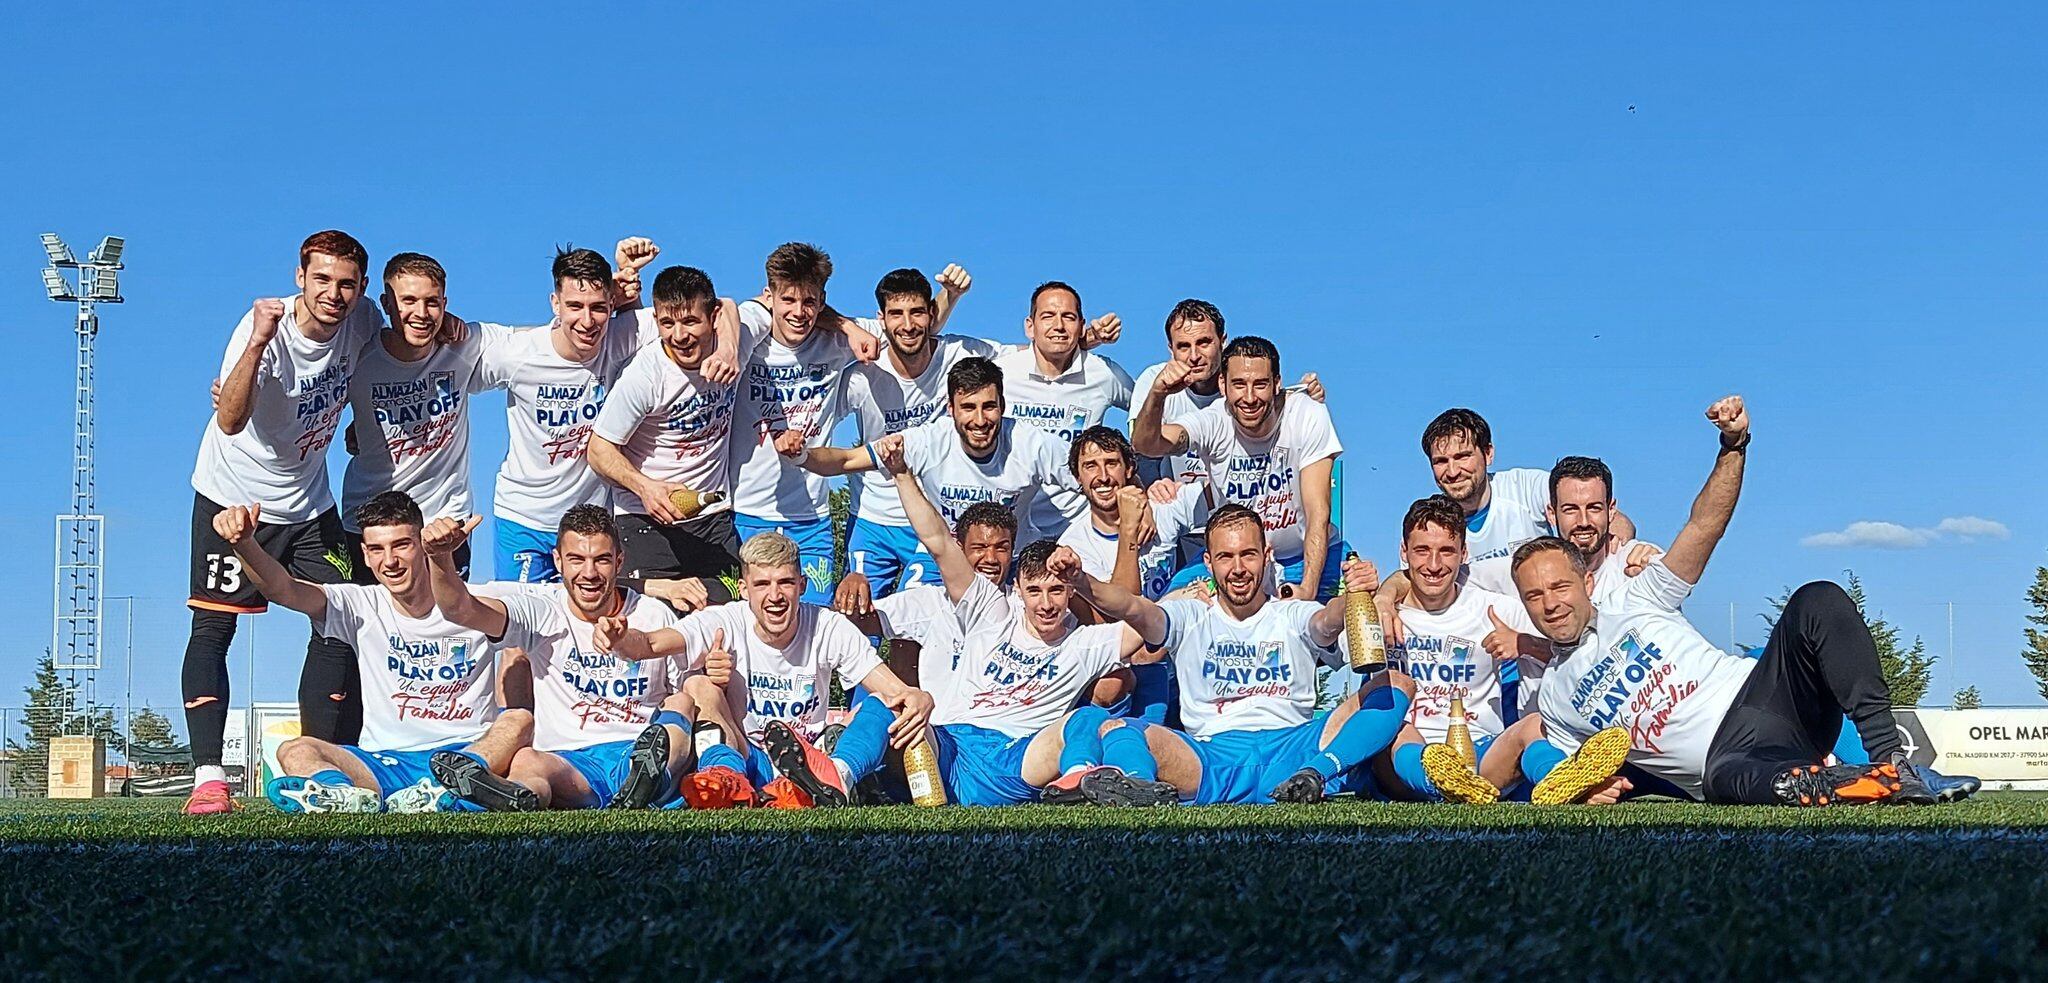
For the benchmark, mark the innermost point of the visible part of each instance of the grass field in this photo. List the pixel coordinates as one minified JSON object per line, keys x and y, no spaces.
{"x":128,"y":888}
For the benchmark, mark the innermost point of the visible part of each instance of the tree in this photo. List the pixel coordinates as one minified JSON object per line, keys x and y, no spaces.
{"x":2036,"y":652}
{"x":151,"y":727}
{"x":1907,"y":671}
{"x":1967,"y":698}
{"x":52,"y":710}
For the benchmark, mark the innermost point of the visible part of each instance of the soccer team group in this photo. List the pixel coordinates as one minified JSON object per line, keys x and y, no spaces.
{"x":1034,"y":606}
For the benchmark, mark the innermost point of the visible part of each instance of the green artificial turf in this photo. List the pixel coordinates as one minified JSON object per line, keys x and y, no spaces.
{"x":1646,"y":890}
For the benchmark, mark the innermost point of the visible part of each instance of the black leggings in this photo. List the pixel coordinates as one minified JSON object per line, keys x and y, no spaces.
{"x":1819,"y":665}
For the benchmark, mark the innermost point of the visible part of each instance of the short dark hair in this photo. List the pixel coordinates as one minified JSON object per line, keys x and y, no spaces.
{"x":1454,"y":422}
{"x":335,"y":243}
{"x":1231,"y":514}
{"x":1055,"y":285}
{"x":415,"y":264}
{"x":581,"y":266}
{"x":1590,"y":468}
{"x":589,"y":520}
{"x":1546,"y":544}
{"x":988,"y":515}
{"x":1031,"y":559}
{"x":679,"y":286}
{"x":1107,"y":438}
{"x":1251,"y":346}
{"x":972,"y":375}
{"x":392,"y":508}
{"x":799,"y":263}
{"x":906,"y":281}
{"x":1436,"y":510}
{"x":1194,"y":310}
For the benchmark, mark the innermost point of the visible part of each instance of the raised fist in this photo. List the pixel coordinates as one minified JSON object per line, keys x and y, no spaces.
{"x":1172,"y":377}
{"x":634,"y":253}
{"x":1065,"y":564}
{"x":236,"y":521}
{"x":954,"y":280}
{"x":265,"y":315}
{"x":1104,"y":330}
{"x":1730,"y":417}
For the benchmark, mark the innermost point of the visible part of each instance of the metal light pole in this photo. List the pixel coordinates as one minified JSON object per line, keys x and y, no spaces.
{"x":76,"y":616}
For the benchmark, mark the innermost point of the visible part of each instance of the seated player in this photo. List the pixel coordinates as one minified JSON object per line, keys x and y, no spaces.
{"x":1719,"y":727}
{"x":1452,"y":647}
{"x":595,"y":692}
{"x":1262,"y":448}
{"x":428,"y":683}
{"x":1247,"y":674}
{"x":755,"y":732}
{"x":1002,"y":729}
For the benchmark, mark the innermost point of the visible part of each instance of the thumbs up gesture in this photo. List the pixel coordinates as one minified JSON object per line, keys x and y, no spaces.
{"x":718,"y":661}
{"x":1503,"y":642}
{"x":444,"y":534}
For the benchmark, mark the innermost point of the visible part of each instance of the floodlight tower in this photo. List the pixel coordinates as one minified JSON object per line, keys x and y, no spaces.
{"x":76,"y":618}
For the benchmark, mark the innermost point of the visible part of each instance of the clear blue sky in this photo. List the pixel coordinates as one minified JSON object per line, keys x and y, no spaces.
{"x":1832,"y":209}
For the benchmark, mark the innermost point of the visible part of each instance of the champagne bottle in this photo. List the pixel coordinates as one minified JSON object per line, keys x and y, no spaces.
{"x":688,"y":501}
{"x":921,"y":769}
{"x":1362,"y":631}
{"x":1459,"y":735}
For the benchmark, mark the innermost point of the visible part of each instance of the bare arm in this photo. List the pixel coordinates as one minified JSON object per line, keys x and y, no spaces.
{"x":1150,"y":434}
{"x":1328,"y":624}
{"x":933,"y":535}
{"x":953,"y":285}
{"x":1129,"y":607}
{"x":238,"y":391}
{"x":1132,"y":508}
{"x":610,"y":464}
{"x":832,"y":462}
{"x":237,"y":525}
{"x":1715,"y":506}
{"x":1315,"y":518}
{"x":456,"y":601}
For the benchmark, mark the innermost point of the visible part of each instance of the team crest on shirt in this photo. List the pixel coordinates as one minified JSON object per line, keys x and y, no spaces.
{"x":773,"y":697}
{"x":1632,"y":685}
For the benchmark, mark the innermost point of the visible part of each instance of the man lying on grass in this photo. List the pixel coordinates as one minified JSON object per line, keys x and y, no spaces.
{"x":593,"y":698}
{"x":429,"y":684}
{"x":1720,"y":727}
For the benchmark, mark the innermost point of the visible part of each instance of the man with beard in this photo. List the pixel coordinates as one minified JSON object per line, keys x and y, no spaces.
{"x":1246,"y":669}
{"x":1503,"y":509}
{"x":1720,"y":727}
{"x":1267,"y":450}
{"x":283,"y":384}
{"x":430,"y":683}
{"x":1581,"y":509}
{"x":904,"y":388}
{"x":595,"y":691}
{"x":975,"y":455}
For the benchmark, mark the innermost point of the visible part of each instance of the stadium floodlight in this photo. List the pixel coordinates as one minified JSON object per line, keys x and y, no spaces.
{"x":109,"y":252}
{"x":59,"y":288}
{"x":60,"y":254}
{"x":105,"y":285}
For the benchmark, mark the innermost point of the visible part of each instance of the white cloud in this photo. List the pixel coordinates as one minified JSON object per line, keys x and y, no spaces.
{"x":1973,"y":527}
{"x":1893,"y":536}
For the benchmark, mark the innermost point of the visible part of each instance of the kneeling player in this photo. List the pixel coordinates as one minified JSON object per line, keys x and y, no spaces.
{"x":596,"y":686}
{"x":1246,"y":671}
{"x":428,"y":683}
